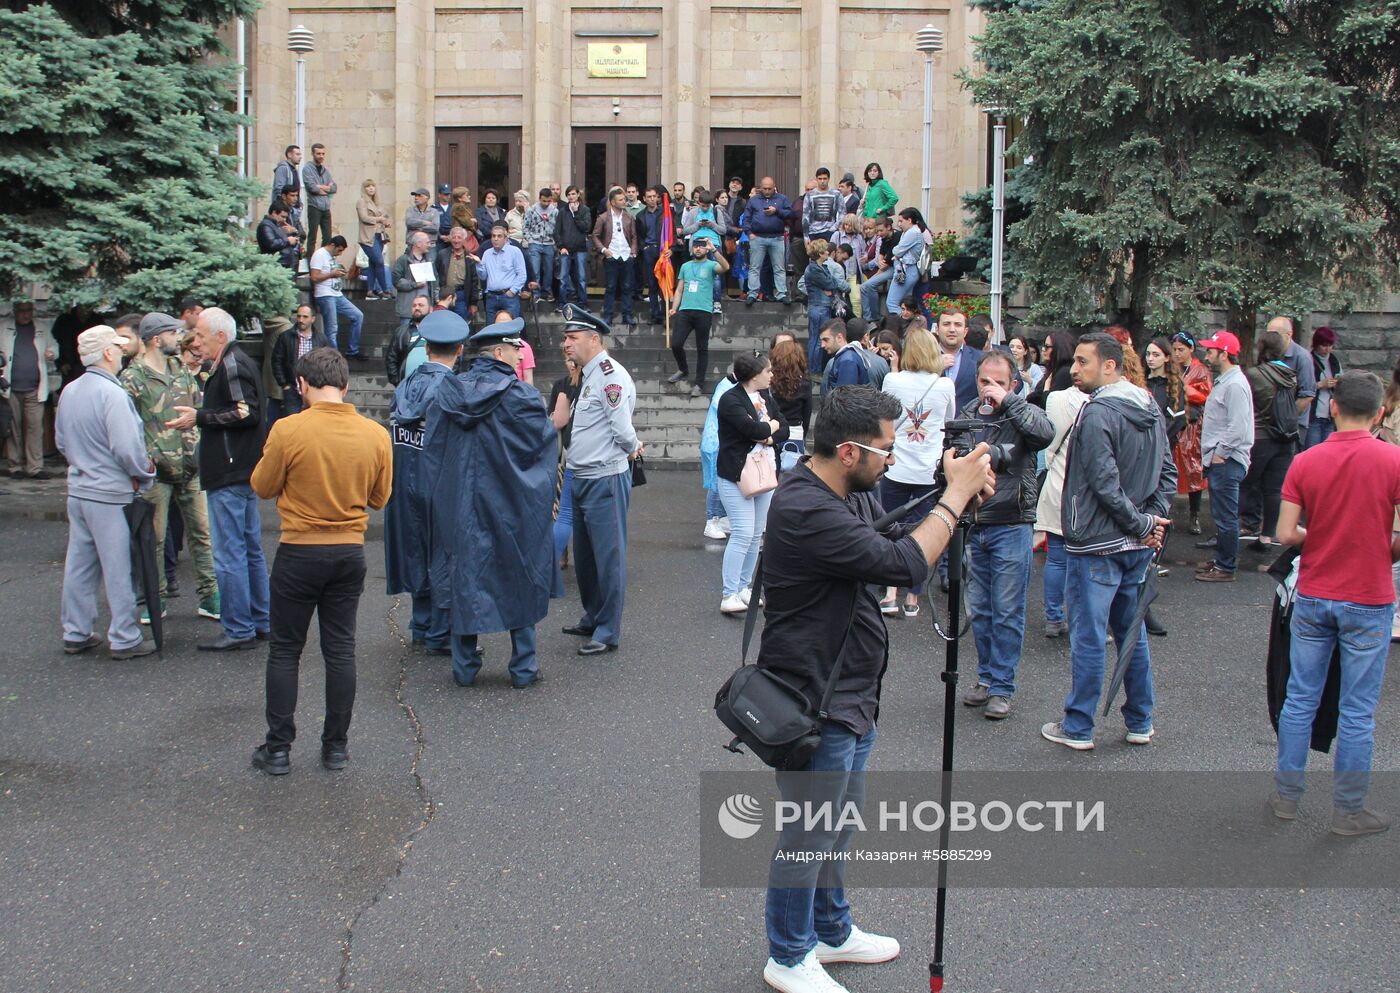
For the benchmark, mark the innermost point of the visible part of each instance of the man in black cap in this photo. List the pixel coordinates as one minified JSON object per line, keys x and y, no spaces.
{"x":407,"y":550}
{"x":421,"y":216}
{"x":602,"y":445}
{"x":444,"y":202}
{"x":491,"y":459}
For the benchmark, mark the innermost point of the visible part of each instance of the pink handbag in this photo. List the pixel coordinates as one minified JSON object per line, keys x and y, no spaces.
{"x":760,"y":472}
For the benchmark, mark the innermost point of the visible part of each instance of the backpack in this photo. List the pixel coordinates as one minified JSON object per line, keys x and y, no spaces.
{"x":1283,"y":413}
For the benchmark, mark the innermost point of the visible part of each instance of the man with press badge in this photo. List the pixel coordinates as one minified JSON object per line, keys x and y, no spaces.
{"x":602,"y":446}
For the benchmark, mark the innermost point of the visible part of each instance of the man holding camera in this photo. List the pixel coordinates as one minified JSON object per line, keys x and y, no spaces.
{"x":823,"y":562}
{"x":1119,"y":481}
{"x":1000,"y":543}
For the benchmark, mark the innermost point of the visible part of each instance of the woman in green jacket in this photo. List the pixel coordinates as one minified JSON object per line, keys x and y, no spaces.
{"x":880,"y":198}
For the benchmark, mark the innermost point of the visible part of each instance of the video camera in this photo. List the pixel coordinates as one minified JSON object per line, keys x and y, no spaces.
{"x":960,"y":437}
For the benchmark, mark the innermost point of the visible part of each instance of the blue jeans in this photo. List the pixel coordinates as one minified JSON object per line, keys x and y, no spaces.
{"x":1319,"y":430}
{"x":524,"y":666}
{"x":541,"y":260}
{"x":817,"y":315}
{"x":898,"y":291}
{"x":430,"y":625}
{"x":748,"y":516}
{"x":771,"y":251}
{"x":377,"y":277}
{"x":239,"y":565}
{"x":564,"y":523}
{"x":1101,"y":594}
{"x":1054,"y":577}
{"x":619,"y":288}
{"x":798,"y":918}
{"x":896,"y":494}
{"x":871,"y":308}
{"x":1363,"y":634}
{"x":1224,"y":479}
{"x":714,"y":506}
{"x":496,"y":300}
{"x":600,"y":551}
{"x":332,"y":309}
{"x":999,"y":580}
{"x":573,"y":278}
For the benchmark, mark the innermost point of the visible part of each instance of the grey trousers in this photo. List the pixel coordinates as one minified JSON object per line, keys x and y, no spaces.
{"x":26,"y":445}
{"x":99,"y":540}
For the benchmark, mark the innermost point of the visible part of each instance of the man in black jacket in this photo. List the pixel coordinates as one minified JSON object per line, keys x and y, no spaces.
{"x":822,"y":561}
{"x":572,"y":228}
{"x":404,"y":341}
{"x":457,"y":276}
{"x":1119,"y":481}
{"x":231,"y":440}
{"x":277,"y":237}
{"x":1000,"y":544}
{"x":290,"y":346}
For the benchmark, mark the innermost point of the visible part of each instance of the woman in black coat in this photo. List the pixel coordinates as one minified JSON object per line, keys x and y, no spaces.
{"x":749,"y":418}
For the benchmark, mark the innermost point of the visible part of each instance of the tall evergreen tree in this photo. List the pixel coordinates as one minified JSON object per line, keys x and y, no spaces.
{"x":1237,"y":153}
{"x":112,"y":115}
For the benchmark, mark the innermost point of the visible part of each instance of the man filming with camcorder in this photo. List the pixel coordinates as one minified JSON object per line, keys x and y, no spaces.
{"x":999,"y":558}
{"x":825,"y":566}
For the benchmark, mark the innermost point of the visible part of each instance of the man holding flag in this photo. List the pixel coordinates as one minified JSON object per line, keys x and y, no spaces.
{"x":663,"y":271}
{"x":649,"y":231}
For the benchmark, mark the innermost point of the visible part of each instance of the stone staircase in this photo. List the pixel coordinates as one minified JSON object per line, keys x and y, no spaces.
{"x":667,"y":419}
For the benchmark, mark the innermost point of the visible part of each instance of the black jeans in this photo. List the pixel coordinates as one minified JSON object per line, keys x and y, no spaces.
{"x":682,"y":323}
{"x":1261,"y":493}
{"x":327,"y":580}
{"x":317,"y":221}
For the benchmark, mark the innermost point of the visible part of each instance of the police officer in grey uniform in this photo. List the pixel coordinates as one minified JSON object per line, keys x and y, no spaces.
{"x":602,"y":445}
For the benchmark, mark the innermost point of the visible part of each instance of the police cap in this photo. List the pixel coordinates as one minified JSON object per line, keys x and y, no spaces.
{"x":504,"y":333}
{"x":443,"y":327}
{"x":578,"y":319}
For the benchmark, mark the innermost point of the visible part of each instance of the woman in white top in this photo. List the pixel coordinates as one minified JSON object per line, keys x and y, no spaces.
{"x":928,"y":399}
{"x":1062,"y":407}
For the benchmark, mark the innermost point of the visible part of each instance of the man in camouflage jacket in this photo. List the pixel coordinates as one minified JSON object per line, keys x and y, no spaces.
{"x":157,"y":382}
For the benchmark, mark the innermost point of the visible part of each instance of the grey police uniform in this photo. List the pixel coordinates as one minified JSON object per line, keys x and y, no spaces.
{"x":601,"y":440}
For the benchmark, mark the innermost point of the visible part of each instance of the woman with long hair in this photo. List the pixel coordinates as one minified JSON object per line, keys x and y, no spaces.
{"x":465,"y":218}
{"x":792,"y":388}
{"x":374,"y":227}
{"x":750,"y":420}
{"x":891,"y":348}
{"x":1164,"y":383}
{"x":1195,"y":385}
{"x":1133,"y":371}
{"x":1024,"y":353}
{"x":561,"y":407}
{"x":928,"y":400}
{"x":1057,"y":355}
{"x":880,"y":198}
{"x":907,"y":250}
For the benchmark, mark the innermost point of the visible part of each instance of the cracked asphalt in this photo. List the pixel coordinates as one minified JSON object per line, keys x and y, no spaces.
{"x":515,"y":842}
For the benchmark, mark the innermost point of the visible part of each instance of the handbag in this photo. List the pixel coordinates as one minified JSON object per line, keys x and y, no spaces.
{"x":639,"y":473}
{"x":760,"y":472}
{"x":901,"y":273}
{"x":765,"y":711}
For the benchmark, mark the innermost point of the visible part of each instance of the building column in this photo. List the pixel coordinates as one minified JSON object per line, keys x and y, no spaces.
{"x":685,"y":93}
{"x":415,"y":144}
{"x":274,"y":94}
{"x":821,"y":73}
{"x":544,"y":135}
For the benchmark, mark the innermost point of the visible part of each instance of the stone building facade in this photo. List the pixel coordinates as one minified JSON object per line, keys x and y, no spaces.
{"x":515,"y":93}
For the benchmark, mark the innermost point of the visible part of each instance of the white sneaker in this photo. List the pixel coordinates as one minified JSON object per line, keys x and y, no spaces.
{"x":746,"y":594}
{"x":713,"y":530}
{"x":724,"y":526}
{"x":1140,"y":737}
{"x":859,"y":947}
{"x":807,"y":976}
{"x":732,"y":604}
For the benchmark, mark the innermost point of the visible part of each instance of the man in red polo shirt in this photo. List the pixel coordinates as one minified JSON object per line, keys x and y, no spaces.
{"x":1349,"y":488}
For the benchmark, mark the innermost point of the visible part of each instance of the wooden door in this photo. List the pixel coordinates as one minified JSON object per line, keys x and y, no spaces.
{"x":608,"y":157}
{"x":480,"y":159}
{"x":751,"y":154}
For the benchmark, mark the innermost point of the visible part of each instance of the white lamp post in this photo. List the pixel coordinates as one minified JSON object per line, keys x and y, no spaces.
{"x":300,"y":40}
{"x":929,"y":40}
{"x":998,"y":116}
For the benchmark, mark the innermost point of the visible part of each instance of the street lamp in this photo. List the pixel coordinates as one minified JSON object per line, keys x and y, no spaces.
{"x":998,"y":115}
{"x":300,"y":40}
{"x":929,"y":40}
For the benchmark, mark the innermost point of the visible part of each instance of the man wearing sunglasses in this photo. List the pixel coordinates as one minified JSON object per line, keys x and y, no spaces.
{"x":823,"y":565}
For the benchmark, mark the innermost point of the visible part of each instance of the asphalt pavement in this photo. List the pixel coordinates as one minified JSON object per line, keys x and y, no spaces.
{"x":508,"y":841}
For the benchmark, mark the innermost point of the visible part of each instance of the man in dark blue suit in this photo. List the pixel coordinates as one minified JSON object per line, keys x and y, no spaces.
{"x":959,"y":357}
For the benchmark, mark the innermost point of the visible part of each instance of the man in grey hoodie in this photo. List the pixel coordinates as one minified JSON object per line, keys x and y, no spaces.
{"x":99,"y":433}
{"x":1119,"y":481}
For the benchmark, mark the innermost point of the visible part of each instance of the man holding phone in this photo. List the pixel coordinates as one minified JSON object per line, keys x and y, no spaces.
{"x":326,"y":274}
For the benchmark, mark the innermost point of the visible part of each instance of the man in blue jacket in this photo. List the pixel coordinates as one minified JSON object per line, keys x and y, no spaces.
{"x":491,"y":457}
{"x":845,"y":364}
{"x":961,"y":358}
{"x":1119,"y":480}
{"x":407,"y":548}
{"x":764,"y":221}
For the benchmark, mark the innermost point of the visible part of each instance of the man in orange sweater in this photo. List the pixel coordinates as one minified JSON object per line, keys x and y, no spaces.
{"x":327,"y":466}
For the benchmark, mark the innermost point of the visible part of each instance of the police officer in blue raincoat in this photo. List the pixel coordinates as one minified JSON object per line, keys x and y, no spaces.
{"x":406,"y":524}
{"x":492,"y":454}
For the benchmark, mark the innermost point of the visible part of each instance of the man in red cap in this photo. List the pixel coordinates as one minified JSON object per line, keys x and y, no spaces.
{"x":1227,"y":435}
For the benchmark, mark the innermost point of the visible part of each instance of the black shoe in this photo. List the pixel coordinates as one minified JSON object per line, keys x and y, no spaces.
{"x":276,"y":763}
{"x":172,"y":590}
{"x":16,"y":473}
{"x":263,"y":635}
{"x":539,"y":678}
{"x":579,"y":630}
{"x":1208,"y":543}
{"x":78,"y":647}
{"x":223,"y":643}
{"x":147,"y":647}
{"x":750,"y":301}
{"x":334,"y":759}
{"x":785,"y":301}
{"x":595,"y":648}
{"x":1154,"y":627}
{"x":438,"y":650}
{"x":42,"y":474}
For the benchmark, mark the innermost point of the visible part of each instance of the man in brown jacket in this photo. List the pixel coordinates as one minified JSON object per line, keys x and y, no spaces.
{"x":615,"y":235}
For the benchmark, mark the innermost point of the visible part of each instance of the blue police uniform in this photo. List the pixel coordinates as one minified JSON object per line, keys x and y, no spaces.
{"x":601,"y":439}
{"x":407,"y":546}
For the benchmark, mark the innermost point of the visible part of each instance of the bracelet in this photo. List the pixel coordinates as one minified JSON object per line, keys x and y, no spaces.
{"x":952,"y":513}
{"x":944,"y":518}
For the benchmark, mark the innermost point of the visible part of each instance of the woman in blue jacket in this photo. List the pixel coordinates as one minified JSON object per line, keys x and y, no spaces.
{"x":906,"y":257}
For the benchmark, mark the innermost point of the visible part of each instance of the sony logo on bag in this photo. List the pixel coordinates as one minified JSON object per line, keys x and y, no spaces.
{"x":749,"y":714}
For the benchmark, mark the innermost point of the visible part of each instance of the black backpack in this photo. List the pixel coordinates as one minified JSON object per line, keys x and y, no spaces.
{"x":1283,"y":413}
